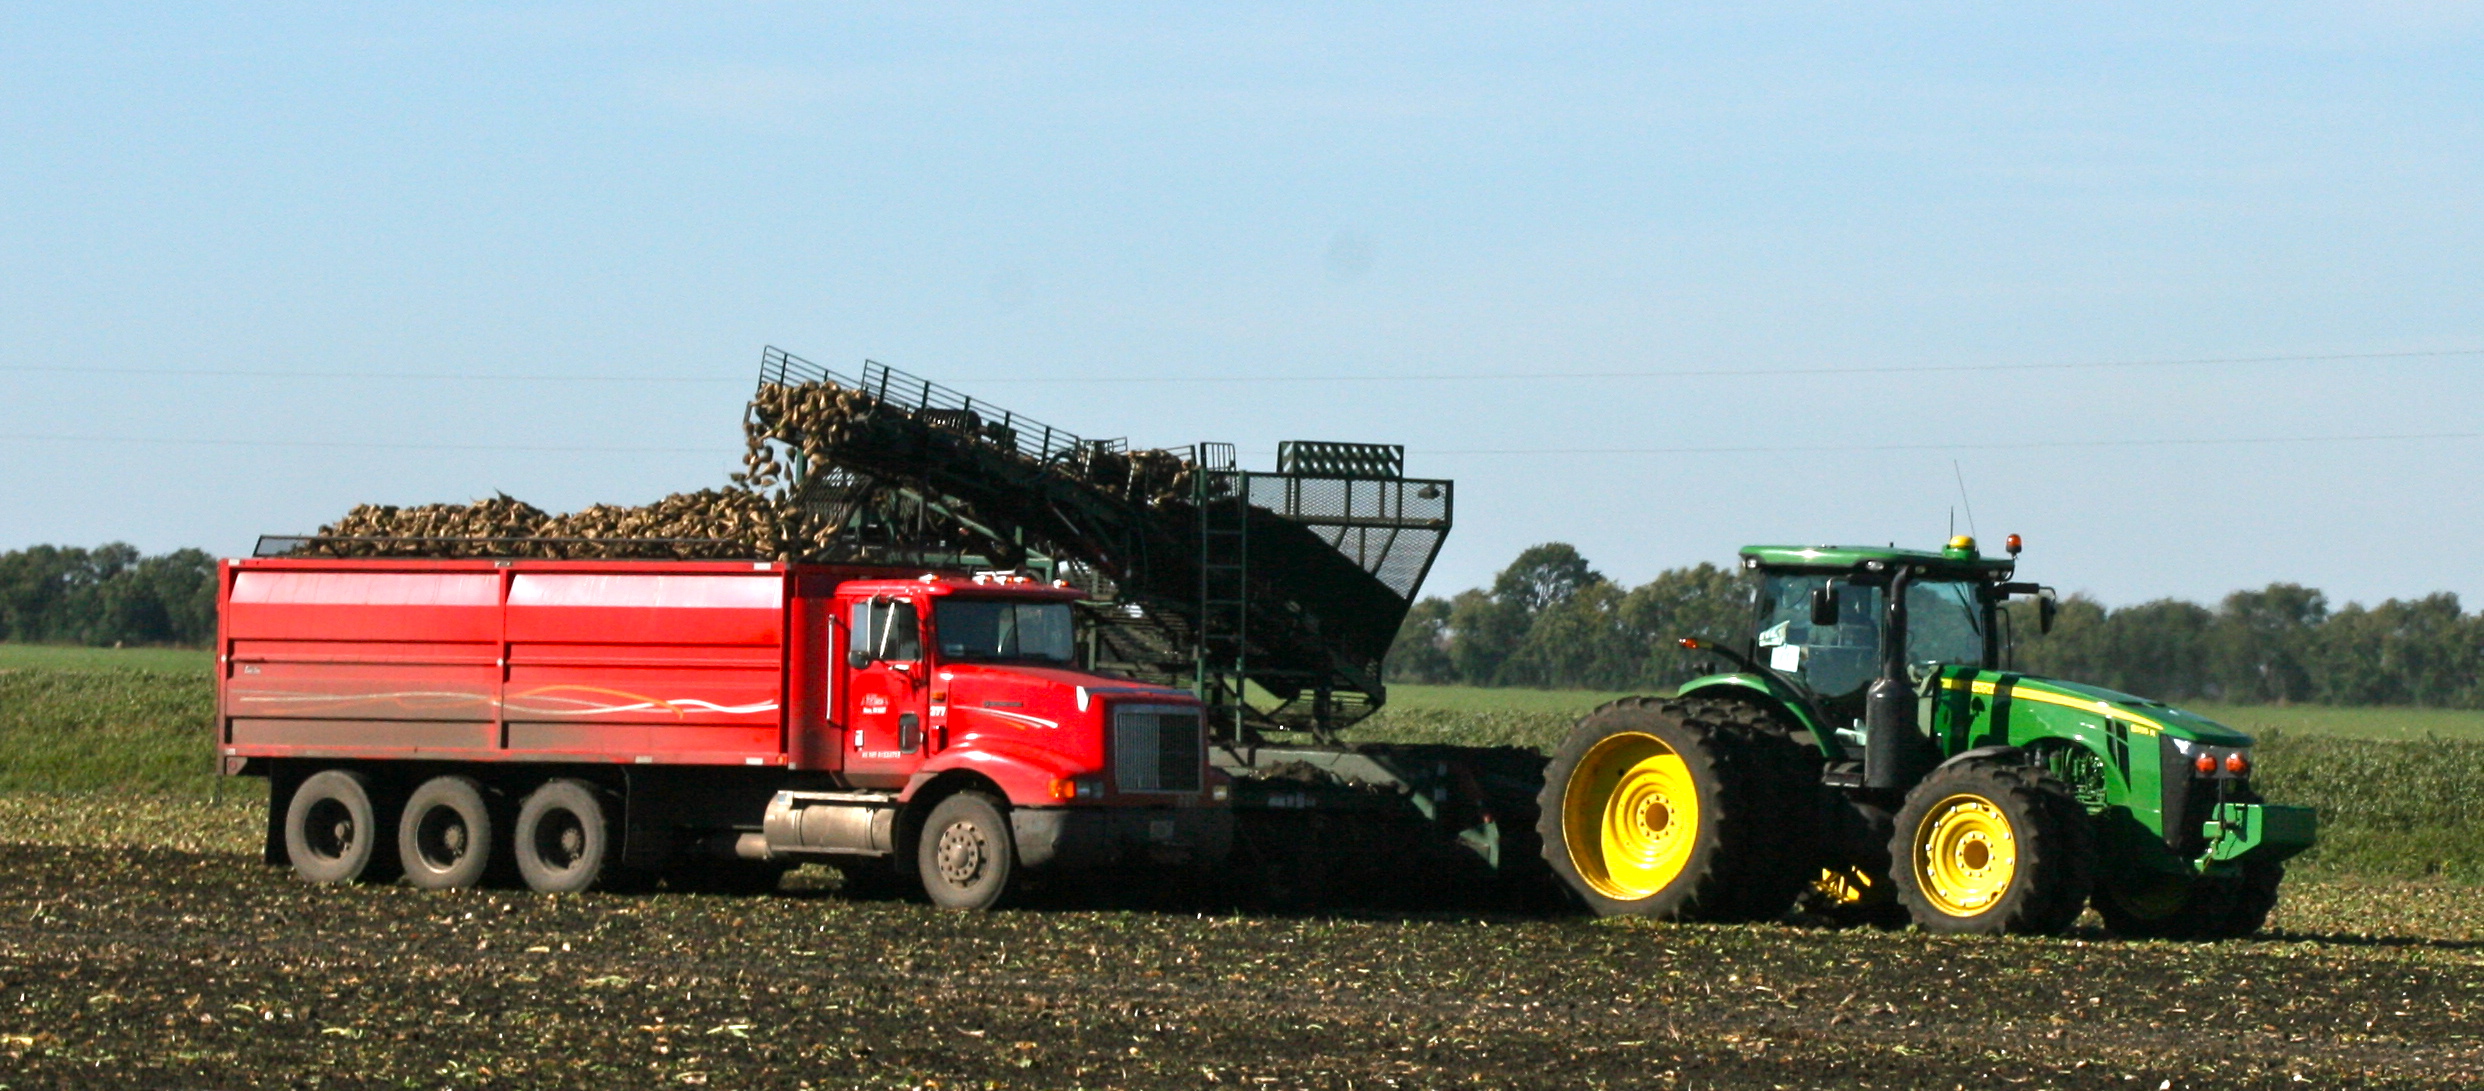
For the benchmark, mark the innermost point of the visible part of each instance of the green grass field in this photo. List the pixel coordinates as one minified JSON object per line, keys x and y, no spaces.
{"x":59,"y":657}
{"x":2359,"y":723}
{"x":2400,"y":791}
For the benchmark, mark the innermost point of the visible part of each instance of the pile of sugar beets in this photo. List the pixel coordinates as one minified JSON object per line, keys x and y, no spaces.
{"x":757,"y":514}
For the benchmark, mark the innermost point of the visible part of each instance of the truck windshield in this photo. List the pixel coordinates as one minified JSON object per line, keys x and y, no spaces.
{"x":1944,"y":627}
{"x":983,"y":630}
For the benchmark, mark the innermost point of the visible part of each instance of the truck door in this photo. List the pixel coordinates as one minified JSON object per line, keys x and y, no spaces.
{"x":887,"y":693}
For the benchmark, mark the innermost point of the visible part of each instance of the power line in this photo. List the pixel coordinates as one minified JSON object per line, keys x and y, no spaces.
{"x":21,"y":437}
{"x":426,"y":376}
{"x":1746,"y":373}
{"x":1478,"y":376}
{"x":2003,"y":445}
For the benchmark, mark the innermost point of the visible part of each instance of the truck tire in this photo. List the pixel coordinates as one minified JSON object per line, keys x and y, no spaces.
{"x":1676,"y":809}
{"x":445,"y":837}
{"x":2189,"y":907}
{"x":333,"y":830}
{"x":965,"y":855}
{"x":562,"y":842}
{"x":1986,"y":847}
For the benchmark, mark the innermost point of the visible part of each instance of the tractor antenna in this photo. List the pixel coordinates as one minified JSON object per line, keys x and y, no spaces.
{"x":1962,"y":498}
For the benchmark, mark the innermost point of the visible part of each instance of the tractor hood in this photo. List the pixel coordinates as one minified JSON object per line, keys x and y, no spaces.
{"x":2139,"y":711}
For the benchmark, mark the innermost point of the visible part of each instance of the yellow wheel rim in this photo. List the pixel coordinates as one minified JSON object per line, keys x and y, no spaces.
{"x":1630,"y":816}
{"x":1965,"y":855}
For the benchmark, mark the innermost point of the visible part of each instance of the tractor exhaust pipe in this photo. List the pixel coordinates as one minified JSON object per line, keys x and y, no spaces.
{"x":1893,"y":743}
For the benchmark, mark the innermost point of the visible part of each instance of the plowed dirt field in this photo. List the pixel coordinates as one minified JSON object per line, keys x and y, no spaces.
{"x":127,"y":967}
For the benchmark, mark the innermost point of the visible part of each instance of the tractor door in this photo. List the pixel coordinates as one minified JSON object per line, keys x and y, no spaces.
{"x":887,"y":692}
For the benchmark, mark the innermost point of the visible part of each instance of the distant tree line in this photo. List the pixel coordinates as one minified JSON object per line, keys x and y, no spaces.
{"x":1550,"y":620}
{"x":108,"y":595}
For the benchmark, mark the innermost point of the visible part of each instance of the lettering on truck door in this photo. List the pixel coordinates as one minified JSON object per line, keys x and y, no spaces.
{"x":887,"y":692}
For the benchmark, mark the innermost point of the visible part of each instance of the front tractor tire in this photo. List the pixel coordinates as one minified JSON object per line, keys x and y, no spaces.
{"x":2189,"y":907}
{"x":1987,"y":846}
{"x":1684,"y":810}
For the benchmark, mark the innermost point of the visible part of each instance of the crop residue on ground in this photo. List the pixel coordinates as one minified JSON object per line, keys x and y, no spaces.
{"x":154,"y":967}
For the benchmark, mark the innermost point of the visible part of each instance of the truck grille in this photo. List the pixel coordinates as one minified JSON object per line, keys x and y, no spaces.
{"x":1157,"y":748}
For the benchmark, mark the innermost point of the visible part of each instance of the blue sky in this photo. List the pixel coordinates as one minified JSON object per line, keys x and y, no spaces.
{"x":1021,"y":201}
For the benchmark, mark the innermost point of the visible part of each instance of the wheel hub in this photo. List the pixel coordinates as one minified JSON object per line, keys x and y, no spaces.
{"x":961,"y":853}
{"x":331,"y":829}
{"x":443,"y":838}
{"x":1631,"y":816}
{"x":1966,"y":855}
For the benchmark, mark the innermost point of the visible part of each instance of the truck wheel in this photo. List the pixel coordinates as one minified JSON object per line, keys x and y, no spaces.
{"x":445,"y":836}
{"x":562,"y":842}
{"x":965,"y":854}
{"x":1664,"y":809}
{"x":1985,"y":847}
{"x":333,"y":830}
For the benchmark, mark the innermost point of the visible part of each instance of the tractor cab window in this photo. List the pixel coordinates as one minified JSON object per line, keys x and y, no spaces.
{"x":1945,"y":625}
{"x":971,"y":630}
{"x":1834,"y":660}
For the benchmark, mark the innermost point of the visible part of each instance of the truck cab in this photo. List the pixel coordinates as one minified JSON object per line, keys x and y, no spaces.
{"x":940,"y":685}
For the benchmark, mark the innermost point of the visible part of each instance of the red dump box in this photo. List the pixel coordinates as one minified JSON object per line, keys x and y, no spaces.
{"x":693,"y":722}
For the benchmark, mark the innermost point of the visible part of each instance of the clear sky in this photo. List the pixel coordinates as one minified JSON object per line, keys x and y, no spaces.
{"x":1020,"y":201}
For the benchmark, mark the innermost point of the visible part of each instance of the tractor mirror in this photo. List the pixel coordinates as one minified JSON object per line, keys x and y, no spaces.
{"x":2046,"y":608}
{"x":858,"y":659}
{"x":1824,"y":605}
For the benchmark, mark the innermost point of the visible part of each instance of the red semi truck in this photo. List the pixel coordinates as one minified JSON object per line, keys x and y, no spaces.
{"x":576,"y":724}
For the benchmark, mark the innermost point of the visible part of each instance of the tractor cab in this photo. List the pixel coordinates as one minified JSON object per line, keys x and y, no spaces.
{"x":1827,"y":626}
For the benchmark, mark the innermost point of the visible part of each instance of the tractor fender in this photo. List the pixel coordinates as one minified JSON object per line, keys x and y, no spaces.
{"x":1751,"y":686}
{"x":2017,"y":754}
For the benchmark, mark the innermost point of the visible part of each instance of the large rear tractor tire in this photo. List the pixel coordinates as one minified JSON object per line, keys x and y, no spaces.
{"x":1680,"y":810}
{"x":337,"y":830}
{"x":1987,"y":846}
{"x":2179,"y":907}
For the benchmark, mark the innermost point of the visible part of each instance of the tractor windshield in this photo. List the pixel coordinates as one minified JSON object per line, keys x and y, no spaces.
{"x":981,"y":629}
{"x":1945,"y":626}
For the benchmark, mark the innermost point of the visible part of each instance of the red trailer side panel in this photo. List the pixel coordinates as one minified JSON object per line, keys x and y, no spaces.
{"x":646,"y":662}
{"x":684,"y":667}
{"x":398,"y":660}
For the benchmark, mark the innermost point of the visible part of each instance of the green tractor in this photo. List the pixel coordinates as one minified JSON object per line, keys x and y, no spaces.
{"x":1873,"y":759}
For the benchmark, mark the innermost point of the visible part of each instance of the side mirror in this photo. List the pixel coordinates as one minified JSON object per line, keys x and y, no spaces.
{"x":858,"y":659}
{"x":2046,"y":608}
{"x":1824,"y":605}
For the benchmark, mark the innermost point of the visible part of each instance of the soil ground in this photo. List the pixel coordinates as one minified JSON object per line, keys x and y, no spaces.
{"x":199,"y":967}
